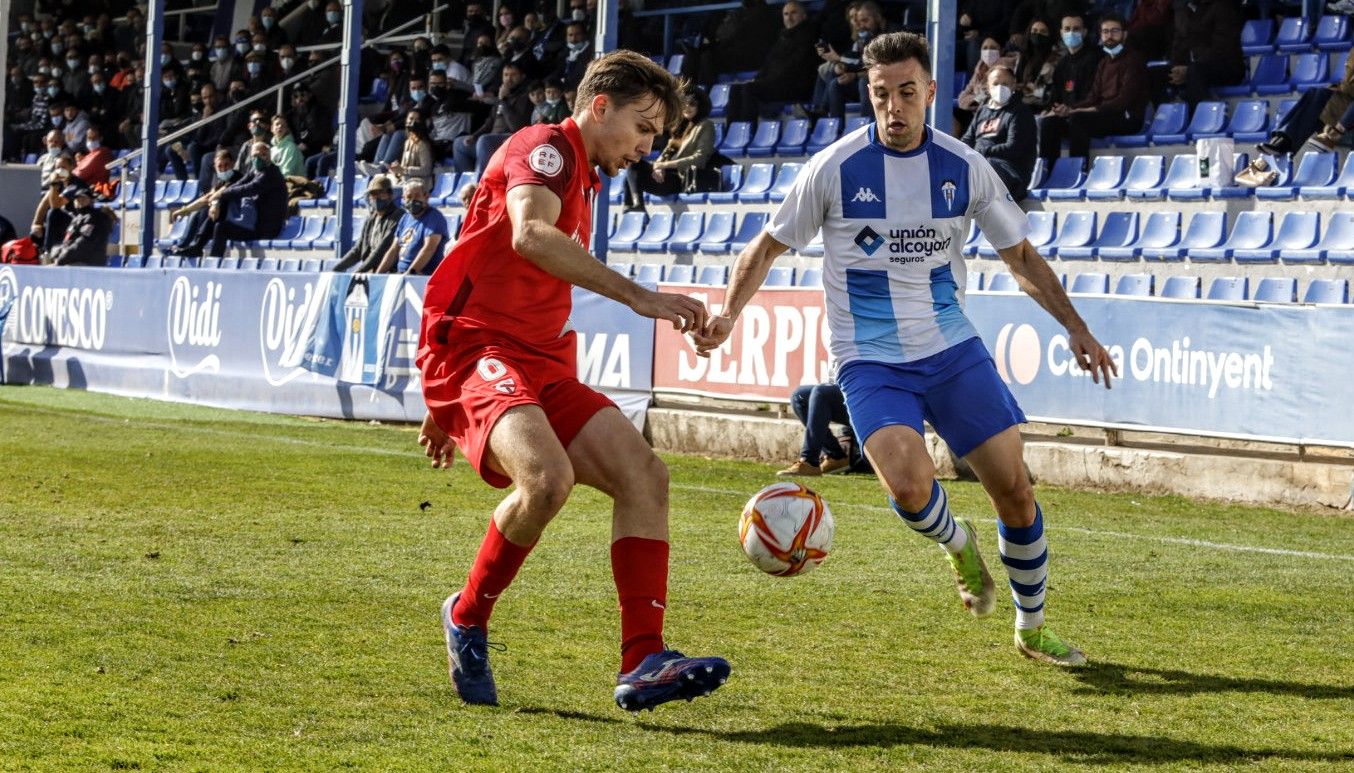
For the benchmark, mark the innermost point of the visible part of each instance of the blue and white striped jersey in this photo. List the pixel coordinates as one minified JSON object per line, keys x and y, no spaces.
{"x":893,"y":226}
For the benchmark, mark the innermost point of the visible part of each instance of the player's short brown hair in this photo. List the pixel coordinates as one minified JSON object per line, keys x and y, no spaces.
{"x":897,"y":47}
{"x":628,"y":77}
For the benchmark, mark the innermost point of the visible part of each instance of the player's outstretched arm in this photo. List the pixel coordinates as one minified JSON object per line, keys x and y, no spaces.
{"x":750,"y":270}
{"x":1040,"y":283}
{"x":533,"y":210}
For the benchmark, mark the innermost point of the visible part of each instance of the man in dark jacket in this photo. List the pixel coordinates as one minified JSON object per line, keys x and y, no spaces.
{"x":379,"y":230}
{"x":263,"y":189}
{"x":1206,"y":51}
{"x":1075,"y":71}
{"x":86,"y":240}
{"x":1115,"y":104}
{"x":789,"y":72}
{"x":1003,"y":131}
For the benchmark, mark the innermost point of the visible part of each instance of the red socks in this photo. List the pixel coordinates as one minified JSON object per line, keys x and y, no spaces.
{"x":640,"y":568}
{"x":495,"y":567}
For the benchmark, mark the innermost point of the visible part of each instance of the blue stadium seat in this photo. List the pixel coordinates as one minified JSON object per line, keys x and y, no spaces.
{"x":1296,"y":231}
{"x":176,"y":233}
{"x":649,"y":273}
{"x":1181,"y":287}
{"x":764,"y":140}
{"x":380,"y":91}
{"x":682,"y":273}
{"x":615,"y":188}
{"x":1310,"y":71}
{"x":1090,"y":283}
{"x":290,"y":230}
{"x":133,"y":261}
{"x":268,"y":264}
{"x":1066,"y":173}
{"x":857,"y":122}
{"x":444,"y":186}
{"x":1257,"y":37}
{"x":793,"y":136}
{"x":325,"y":199}
{"x":1170,"y":123}
{"x":1314,"y":170}
{"x":30,"y":158}
{"x":289,"y":265}
{"x":312,"y":265}
{"x":229,"y":264}
{"x":686,"y":234}
{"x":1334,"y":189}
{"x":780,"y":276}
{"x":1077,"y":230}
{"x":731,"y":181}
{"x":1337,"y":244}
{"x":1251,"y":230}
{"x":1043,"y":230}
{"x":1105,"y":178}
{"x":785,"y":177}
{"x":753,"y":223}
{"x":757,"y":187}
{"x":166,"y":261}
{"x":328,"y":235}
{"x":656,"y":233}
{"x":1269,"y":77}
{"x":718,"y":233}
{"x":1037,"y":175}
{"x":675,"y":63}
{"x":1135,"y":284}
{"x":187,"y":193}
{"x":622,"y":268}
{"x":1160,"y":232}
{"x":1249,"y":121}
{"x":973,"y":282}
{"x":1143,"y":174}
{"x":1002,"y":282}
{"x":1205,"y":230}
{"x":825,"y":132}
{"x":628,"y":231}
{"x":713,"y":275}
{"x":971,"y":241}
{"x":1332,"y":33}
{"x":311,"y":228}
{"x":1229,"y":288}
{"x":1183,"y":171}
{"x":719,"y":100}
{"x":1327,"y":291}
{"x":810,"y":277}
{"x":1119,"y":230}
{"x":249,"y":264}
{"x":1276,"y":289}
{"x":210,"y":262}
{"x":737,"y":135}
{"x":1209,"y":120}
{"x":1295,"y":34}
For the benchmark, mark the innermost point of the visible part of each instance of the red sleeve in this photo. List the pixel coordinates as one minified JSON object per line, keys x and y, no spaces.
{"x":539,"y":157}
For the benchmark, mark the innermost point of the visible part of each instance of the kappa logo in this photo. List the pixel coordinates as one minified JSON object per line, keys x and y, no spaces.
{"x":546,"y":160}
{"x":866,"y":195}
{"x":947,"y":190}
{"x":869,"y":240}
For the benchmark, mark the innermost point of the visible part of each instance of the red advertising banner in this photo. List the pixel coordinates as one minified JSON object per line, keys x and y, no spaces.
{"x":780,"y":342}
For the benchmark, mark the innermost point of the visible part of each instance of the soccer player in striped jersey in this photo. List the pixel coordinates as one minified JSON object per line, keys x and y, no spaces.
{"x":894,"y":201}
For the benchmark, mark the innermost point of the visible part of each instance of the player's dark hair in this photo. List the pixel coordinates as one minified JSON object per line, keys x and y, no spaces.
{"x":627,"y":77}
{"x":897,"y":47}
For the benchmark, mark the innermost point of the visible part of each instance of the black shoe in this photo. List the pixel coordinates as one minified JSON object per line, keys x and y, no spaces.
{"x":1276,"y":145}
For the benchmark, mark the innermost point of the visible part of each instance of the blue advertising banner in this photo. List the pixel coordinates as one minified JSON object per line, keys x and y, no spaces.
{"x":615,"y":352}
{"x":1258,"y":371}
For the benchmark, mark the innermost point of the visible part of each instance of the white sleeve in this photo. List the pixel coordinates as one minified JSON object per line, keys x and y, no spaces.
{"x":1002,"y":221}
{"x":798,"y":219}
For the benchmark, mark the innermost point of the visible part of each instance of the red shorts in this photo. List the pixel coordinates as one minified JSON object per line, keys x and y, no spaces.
{"x":467,"y":390}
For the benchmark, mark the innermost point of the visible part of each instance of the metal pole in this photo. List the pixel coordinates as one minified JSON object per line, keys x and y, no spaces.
{"x":150,"y":123}
{"x":605,"y":41}
{"x":940,"y":28}
{"x":347,"y":140}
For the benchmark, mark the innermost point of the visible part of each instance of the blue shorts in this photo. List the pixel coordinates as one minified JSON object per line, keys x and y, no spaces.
{"x":958,"y":391}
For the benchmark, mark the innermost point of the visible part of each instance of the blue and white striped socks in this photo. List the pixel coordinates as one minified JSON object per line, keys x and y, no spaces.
{"x":934,"y":521}
{"x":1025,"y":554}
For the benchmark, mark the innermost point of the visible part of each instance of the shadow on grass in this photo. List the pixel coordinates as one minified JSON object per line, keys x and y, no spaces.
{"x":1136,"y":680}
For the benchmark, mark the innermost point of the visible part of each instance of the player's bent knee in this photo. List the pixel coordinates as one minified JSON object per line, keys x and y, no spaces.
{"x":912,"y":492}
{"x":544,"y":493}
{"x":1015,"y":501}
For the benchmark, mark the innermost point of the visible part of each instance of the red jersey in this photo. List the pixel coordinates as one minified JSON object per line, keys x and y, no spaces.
{"x":484,"y":292}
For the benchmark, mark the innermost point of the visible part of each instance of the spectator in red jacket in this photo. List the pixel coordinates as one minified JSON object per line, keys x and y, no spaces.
{"x":92,"y":165}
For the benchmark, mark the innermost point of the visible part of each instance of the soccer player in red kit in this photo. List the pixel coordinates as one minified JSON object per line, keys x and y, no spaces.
{"x":499,"y":368}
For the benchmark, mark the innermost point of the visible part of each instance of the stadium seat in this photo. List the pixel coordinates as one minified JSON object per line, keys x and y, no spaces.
{"x":983,"y":248}
{"x":249,"y":264}
{"x":713,"y":275}
{"x":973,"y":282}
{"x":1002,"y":282}
{"x":328,"y":235}
{"x":187,"y":193}
{"x":1333,"y":189}
{"x":764,"y":140}
{"x":719,"y":100}
{"x":649,"y":273}
{"x":757,"y":187}
{"x":1090,"y":283}
{"x":268,"y":264}
{"x":1182,"y":171}
{"x":444,"y":187}
{"x":1337,"y":244}
{"x":1229,"y":288}
{"x":1135,"y":285}
{"x":1310,"y":71}
{"x":718,"y":233}
{"x":780,"y":276}
{"x":682,"y":273}
{"x":686,"y":234}
{"x":176,"y":261}
{"x":753,"y":223}
{"x":1209,"y":120}
{"x":730,"y":176}
{"x":1276,"y":289}
{"x":1295,"y":34}
{"x":1257,"y":37}
{"x":825,"y":132}
{"x":312,"y":266}
{"x":1251,"y":230}
{"x":289,"y":265}
{"x":857,"y":122}
{"x":785,"y":177}
{"x":656,"y":233}
{"x":1205,"y":230}
{"x":1327,"y":291}
{"x":624,"y":269}
{"x":1161,"y":232}
{"x":1106,"y":178}
{"x":731,"y":180}
{"x":628,"y":231}
{"x":1296,"y":231}
{"x":737,"y":135}
{"x":1043,"y":230}
{"x":325,"y":199}
{"x":810,"y":277}
{"x":380,"y":91}
{"x":1108,"y":166}
{"x":1066,"y":173}
{"x":30,"y":158}
{"x":1332,"y":33}
{"x":210,"y":262}
{"x":229,"y":264}
{"x":794,"y":134}
{"x":971,"y":241}
{"x":290,"y":230}
{"x":1077,"y":230}
{"x":1249,"y":121}
{"x":615,"y":189}
{"x":133,"y":261}
{"x":1144,"y":173}
{"x":1168,"y":124}
{"x":1119,"y":230}
{"x":176,"y":233}
{"x":1269,"y":77}
{"x":675,"y":63}
{"x":1181,"y":287}
{"x":150,"y":261}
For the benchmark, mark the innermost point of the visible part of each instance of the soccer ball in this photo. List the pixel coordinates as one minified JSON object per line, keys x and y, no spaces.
{"x":786,"y":529}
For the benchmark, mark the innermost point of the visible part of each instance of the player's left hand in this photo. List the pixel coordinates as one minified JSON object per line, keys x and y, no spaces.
{"x":436,"y":444}
{"x":1092,"y":357}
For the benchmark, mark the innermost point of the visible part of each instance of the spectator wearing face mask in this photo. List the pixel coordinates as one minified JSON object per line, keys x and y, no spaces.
{"x":486,"y":67}
{"x":1035,"y":63}
{"x":174,"y":103}
{"x":257,"y":74}
{"x":378,"y":233}
{"x":573,"y":60}
{"x":518,"y":52}
{"x":475,"y":24}
{"x":226,"y":66}
{"x":222,"y":174}
{"x":507,"y":21}
{"x":91,"y":165}
{"x":253,"y":208}
{"x":333,"y":23}
{"x":421,"y":236}
{"x":1075,"y":71}
{"x":47,"y":163}
{"x":75,"y":77}
{"x":975,"y":91}
{"x":1003,"y":131}
{"x":511,"y":111}
{"x":102,"y":104}
{"x":86,"y":240}
{"x":276,"y":35}
{"x":552,"y":108}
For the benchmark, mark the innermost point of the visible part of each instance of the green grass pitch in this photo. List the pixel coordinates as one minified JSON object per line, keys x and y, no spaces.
{"x":193,"y":589}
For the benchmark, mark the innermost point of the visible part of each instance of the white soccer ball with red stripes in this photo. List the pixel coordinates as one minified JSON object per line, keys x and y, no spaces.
{"x":786,"y":529}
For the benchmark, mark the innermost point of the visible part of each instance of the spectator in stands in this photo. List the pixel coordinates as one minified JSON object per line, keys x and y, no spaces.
{"x":260,"y":197}
{"x":690,"y":147}
{"x":457,"y":75}
{"x":1115,"y":104}
{"x":1004,"y":132}
{"x":421,"y":237}
{"x":975,"y":91}
{"x":980,"y":20}
{"x":47,"y":162}
{"x":333,"y":23}
{"x":1036,"y":61}
{"x":1151,"y":26}
{"x":507,"y":21}
{"x":52,"y":215}
{"x":223,"y":172}
{"x":788,"y":73}
{"x":486,"y":67}
{"x":518,"y":52}
{"x":575,"y":57}
{"x":511,"y":112}
{"x":308,"y":22}
{"x":841,"y":74}
{"x":257,"y":76}
{"x":285,"y":155}
{"x":91,"y":166}
{"x":1206,"y":51}
{"x":378,"y":233}
{"x":739,"y":43}
{"x":76,"y":79}
{"x":475,"y":26}
{"x":287,"y":67}
{"x":74,"y":124}
{"x":276,"y":35}
{"x":551,"y":108}
{"x":174,"y":99}
{"x":1075,"y":71}
{"x":817,"y":406}
{"x":416,"y":158}
{"x":225,"y":66}
{"x":450,"y":113}
{"x":1331,"y":109}
{"x":86,"y":239}
{"x":1051,"y":11}
{"x":311,"y":124}
{"x":39,"y":119}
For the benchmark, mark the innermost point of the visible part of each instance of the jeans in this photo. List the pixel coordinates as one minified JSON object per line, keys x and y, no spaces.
{"x":471,"y":153}
{"x":817,"y":406}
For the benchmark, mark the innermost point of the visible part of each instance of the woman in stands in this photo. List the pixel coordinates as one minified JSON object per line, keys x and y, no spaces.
{"x":1035,"y":61}
{"x":688,"y":153}
{"x":974,"y":94}
{"x":416,"y":161}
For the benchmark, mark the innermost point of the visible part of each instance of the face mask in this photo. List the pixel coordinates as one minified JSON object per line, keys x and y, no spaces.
{"x":439,"y":92}
{"x":260,"y":131}
{"x":99,"y":88}
{"x":226,"y":175}
{"x":242,"y":48}
{"x":288,"y":62}
{"x":72,"y":64}
{"x":990,"y":56}
{"x":1001,"y":95}
{"x":381,"y":205}
{"x":415,"y":207}
{"x":56,"y":72}
{"x":254,"y":68}
{"x":1113,"y":50}
{"x":88,"y":29}
{"x":863,"y":34}
{"x":164,"y":58}
{"x":57,"y":120}
{"x":1072,"y":39}
{"x":268,"y":22}
{"x":94,"y":144}
{"x":575,"y":48}
{"x":48,"y":33}
{"x":1039,"y":39}
{"x":58,"y":47}
{"x":26,"y":27}
{"x":53,"y":90}
{"x":417,"y":95}
{"x":170,"y":84}
{"x":578,"y":14}
{"x":44,"y":71}
{"x":221,"y":52}
{"x":439,"y":66}
{"x":260,"y":165}
{"x":332,"y":17}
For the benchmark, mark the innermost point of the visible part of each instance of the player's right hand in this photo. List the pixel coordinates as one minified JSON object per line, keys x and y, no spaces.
{"x":713,"y":335}
{"x":436,"y":444}
{"x":684,"y":312}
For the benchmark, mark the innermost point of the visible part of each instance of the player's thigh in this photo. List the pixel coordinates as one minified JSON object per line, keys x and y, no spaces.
{"x":999,"y":463}
{"x":610,"y":455}
{"x":523,"y":446}
{"x":903,"y":465}
{"x":886,"y":415}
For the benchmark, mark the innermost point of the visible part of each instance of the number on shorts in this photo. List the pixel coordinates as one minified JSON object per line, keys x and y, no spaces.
{"x":491,"y":369}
